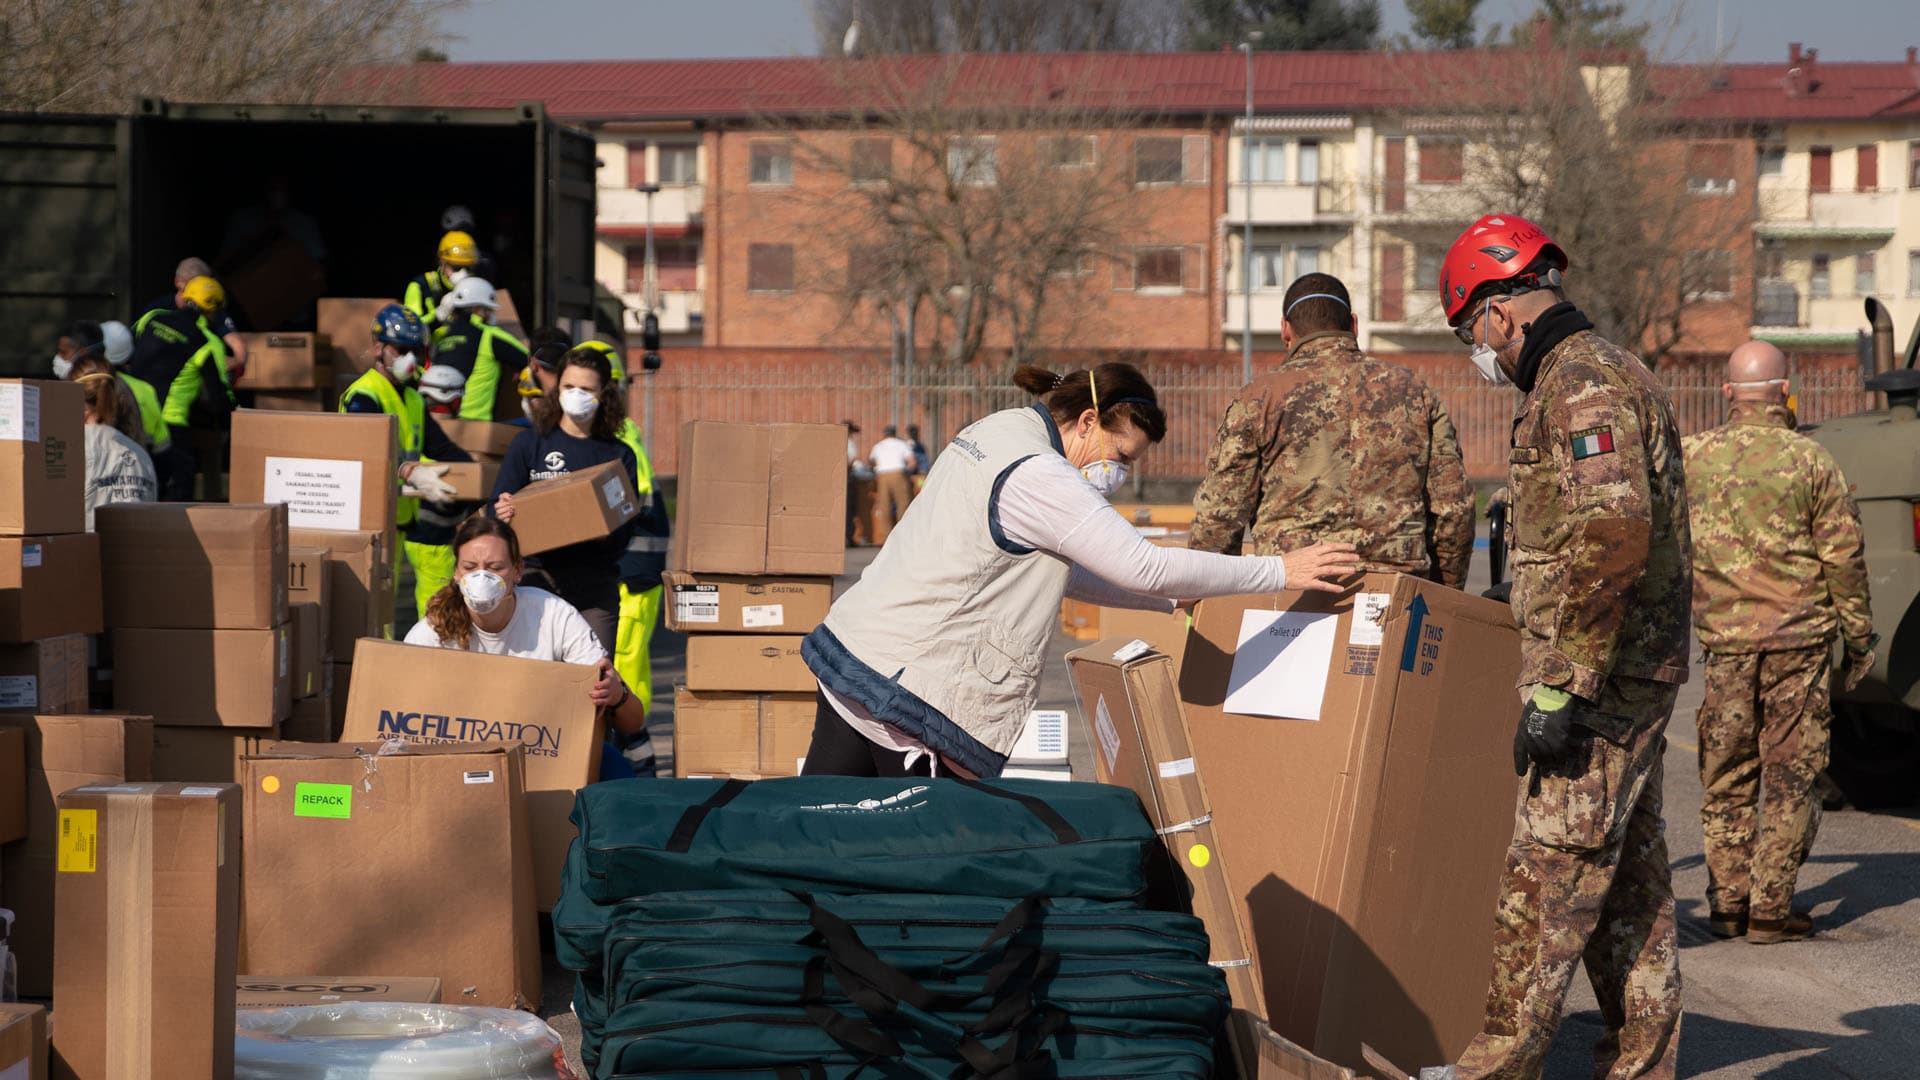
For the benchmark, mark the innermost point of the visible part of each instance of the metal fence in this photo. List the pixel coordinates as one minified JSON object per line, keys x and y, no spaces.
{"x":1194,"y":394}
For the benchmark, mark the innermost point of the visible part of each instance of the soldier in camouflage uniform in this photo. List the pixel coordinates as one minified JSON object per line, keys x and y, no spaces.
{"x":1779,"y":569}
{"x":1336,"y":445}
{"x":1600,"y":590}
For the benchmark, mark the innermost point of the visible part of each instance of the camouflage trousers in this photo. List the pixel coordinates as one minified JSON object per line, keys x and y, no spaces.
{"x":1587,"y":881}
{"x":1764,"y":734}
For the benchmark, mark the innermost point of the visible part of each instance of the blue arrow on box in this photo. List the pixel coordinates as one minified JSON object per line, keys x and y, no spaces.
{"x":1417,"y":609}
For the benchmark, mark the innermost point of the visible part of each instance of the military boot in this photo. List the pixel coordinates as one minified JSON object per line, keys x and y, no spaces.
{"x":1794,"y":927}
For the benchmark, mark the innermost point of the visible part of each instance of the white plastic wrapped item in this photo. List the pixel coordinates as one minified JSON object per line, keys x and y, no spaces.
{"x":365,"y":1040}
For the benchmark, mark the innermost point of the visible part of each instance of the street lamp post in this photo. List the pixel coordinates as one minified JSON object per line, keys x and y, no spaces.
{"x":646,"y":433}
{"x":1246,"y":230}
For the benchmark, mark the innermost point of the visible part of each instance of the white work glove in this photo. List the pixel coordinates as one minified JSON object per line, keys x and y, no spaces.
{"x":445,"y":310}
{"x":425,"y":482}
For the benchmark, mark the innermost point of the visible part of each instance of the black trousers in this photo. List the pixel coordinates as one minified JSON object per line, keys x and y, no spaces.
{"x":838,"y":750}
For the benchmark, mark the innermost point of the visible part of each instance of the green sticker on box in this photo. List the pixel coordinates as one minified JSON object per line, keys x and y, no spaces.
{"x":323,"y":800}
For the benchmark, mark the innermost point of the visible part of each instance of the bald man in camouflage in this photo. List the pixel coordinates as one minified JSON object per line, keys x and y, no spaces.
{"x":1778,"y":571}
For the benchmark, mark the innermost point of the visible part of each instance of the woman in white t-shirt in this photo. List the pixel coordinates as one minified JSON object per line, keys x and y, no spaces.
{"x":486,"y":609}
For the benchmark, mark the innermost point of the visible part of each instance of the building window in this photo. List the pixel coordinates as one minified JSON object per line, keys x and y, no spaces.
{"x":1771,"y":160}
{"x":1157,"y":161}
{"x":1913,"y":273}
{"x":1708,"y":275}
{"x":1442,"y":161}
{"x":1866,"y":174}
{"x":1710,"y":169}
{"x":1426,"y":266}
{"x":677,"y":260}
{"x":1309,"y":161}
{"x":1393,"y":174}
{"x":973,"y":161}
{"x":1159,"y":269}
{"x":636,"y":164}
{"x":870,"y":160}
{"x":1267,"y":163}
{"x":1269,"y":269}
{"x":1820,"y":168}
{"x":770,"y":163}
{"x":1306,"y":260}
{"x":1864,"y":278}
{"x":1821,"y":285}
{"x":679,"y":164}
{"x":1070,"y":151}
{"x":770,"y":268}
{"x":1913,"y":164}
{"x":1071,"y":265}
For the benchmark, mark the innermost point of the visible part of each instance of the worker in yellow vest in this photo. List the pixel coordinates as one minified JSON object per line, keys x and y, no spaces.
{"x":426,"y":522}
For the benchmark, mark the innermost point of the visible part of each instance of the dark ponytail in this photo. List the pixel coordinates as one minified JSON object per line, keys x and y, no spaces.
{"x":1124,"y":394}
{"x":447,"y":610}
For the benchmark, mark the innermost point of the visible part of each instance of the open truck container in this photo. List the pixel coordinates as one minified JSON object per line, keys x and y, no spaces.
{"x":99,"y":209}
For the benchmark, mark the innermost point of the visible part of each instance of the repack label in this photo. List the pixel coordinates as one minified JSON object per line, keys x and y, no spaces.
{"x":323,"y":800}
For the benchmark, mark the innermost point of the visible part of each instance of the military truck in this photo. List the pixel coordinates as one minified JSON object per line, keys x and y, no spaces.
{"x":1876,"y":727}
{"x":288,"y":203}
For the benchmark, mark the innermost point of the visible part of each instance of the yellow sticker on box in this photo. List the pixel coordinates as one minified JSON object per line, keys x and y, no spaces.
{"x":1199,"y":856}
{"x":79,"y":849}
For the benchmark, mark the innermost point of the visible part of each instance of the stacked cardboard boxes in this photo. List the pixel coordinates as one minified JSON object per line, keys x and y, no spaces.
{"x":759,"y":535}
{"x":49,"y":563}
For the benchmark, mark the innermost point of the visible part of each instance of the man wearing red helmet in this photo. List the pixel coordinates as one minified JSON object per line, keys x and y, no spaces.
{"x":1601,"y":586}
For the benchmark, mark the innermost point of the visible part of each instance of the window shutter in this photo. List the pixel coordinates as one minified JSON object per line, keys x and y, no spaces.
{"x":636,"y":164}
{"x":1394,"y":195}
{"x":1820,"y":169}
{"x":1393,"y":283}
{"x":1194,"y":155}
{"x":1868,"y":178}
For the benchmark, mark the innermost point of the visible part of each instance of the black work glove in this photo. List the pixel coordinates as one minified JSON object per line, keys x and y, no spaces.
{"x":1545,"y":735}
{"x":1502,"y":592}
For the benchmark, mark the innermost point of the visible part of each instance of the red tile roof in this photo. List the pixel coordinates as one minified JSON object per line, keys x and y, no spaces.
{"x":1808,"y":90}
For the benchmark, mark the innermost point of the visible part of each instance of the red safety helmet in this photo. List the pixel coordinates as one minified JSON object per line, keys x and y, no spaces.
{"x":1498,"y":247}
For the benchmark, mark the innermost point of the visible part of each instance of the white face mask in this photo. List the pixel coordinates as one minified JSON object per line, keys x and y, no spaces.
{"x":1106,"y":477}
{"x":578,"y":404}
{"x":458,"y":274}
{"x":483,"y":590}
{"x":1487,"y":360}
{"x":403,"y":367}
{"x":62,"y":366}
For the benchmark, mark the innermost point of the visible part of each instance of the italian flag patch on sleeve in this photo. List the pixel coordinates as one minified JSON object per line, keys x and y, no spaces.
{"x":1592,"y":441}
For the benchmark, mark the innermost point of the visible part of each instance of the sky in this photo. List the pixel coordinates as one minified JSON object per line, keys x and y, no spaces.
{"x":1749,"y":30}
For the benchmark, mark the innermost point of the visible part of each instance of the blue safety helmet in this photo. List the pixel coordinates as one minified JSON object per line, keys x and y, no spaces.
{"x":396,"y":325}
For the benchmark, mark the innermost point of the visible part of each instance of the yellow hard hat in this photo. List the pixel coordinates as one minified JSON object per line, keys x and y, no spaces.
{"x":459,"y":249}
{"x":205,"y":294}
{"x":528,"y":386}
{"x":612,"y":354}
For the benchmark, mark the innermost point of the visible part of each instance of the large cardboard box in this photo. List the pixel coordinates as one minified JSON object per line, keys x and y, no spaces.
{"x":307,"y":575}
{"x":1131,"y":702}
{"x":274,"y":992}
{"x":761,"y":499}
{"x":420,"y":855}
{"x":762,"y":663}
{"x":208,"y":566}
{"x":703,"y":603}
{"x":335,"y":471}
{"x":207,"y":678}
{"x":13,"y":785}
{"x":43,"y":465}
{"x":471,"y":481}
{"x":23,"y":1041}
{"x":1377,"y":724}
{"x":359,"y":588}
{"x":741,"y":735}
{"x":482,"y":438}
{"x":309,"y":649}
{"x":1263,"y":1054}
{"x":278,"y":361}
{"x":426,"y":696}
{"x":49,"y":585}
{"x":63,"y":752}
{"x":147,"y":939}
{"x":204,"y":755}
{"x":586,"y":505}
{"x":345,"y":324}
{"x":48,"y":676}
{"x":295,"y":400}
{"x":312,"y":719}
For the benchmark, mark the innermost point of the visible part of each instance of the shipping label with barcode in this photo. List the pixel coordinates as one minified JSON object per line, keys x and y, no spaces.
{"x":696,"y":603}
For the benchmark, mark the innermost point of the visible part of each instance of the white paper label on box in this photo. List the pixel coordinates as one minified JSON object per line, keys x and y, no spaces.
{"x":30,"y":555}
{"x":1171,"y":769}
{"x":1131,"y":650}
{"x":696,"y":603}
{"x":759,"y":615}
{"x":19,"y":692}
{"x":320,"y":493}
{"x":477,"y":776}
{"x":200,"y":792}
{"x":1280,"y":664}
{"x":1369,"y":625}
{"x":1109,"y":738}
{"x":19,"y":413}
{"x":613,"y":490}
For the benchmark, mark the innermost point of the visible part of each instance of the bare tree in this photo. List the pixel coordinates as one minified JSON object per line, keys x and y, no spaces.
{"x":896,"y":27}
{"x":99,"y":57}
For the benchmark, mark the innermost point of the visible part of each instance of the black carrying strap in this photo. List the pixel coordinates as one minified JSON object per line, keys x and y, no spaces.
{"x":682,"y":837}
{"x":844,"y":1029}
{"x":1062,"y":831}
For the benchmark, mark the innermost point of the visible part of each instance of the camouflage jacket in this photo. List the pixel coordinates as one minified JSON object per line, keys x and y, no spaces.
{"x":1599,"y":533}
{"x":1336,"y":445}
{"x":1779,"y":561}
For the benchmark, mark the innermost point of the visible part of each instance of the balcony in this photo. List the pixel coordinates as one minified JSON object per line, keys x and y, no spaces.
{"x":679,"y":205}
{"x":1796,"y":213}
{"x":1424,"y":202}
{"x":1292,"y":204}
{"x":679,"y":312}
{"x":1414,"y":312}
{"x":1269,"y":307}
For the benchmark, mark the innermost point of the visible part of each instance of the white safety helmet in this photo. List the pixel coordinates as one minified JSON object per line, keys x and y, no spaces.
{"x":472,"y":292}
{"x":456,"y":217}
{"x":443,"y":384}
{"x":119,"y":342}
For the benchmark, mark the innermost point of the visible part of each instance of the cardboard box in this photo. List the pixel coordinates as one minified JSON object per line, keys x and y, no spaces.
{"x":13,"y":785}
{"x":337,"y":471}
{"x":761,"y":499}
{"x":307,"y":575}
{"x":63,"y":752}
{"x":422,"y":854}
{"x":272,"y":992}
{"x":207,"y":566}
{"x":430,"y":696}
{"x":1389,"y":758}
{"x":345,"y":324}
{"x":309,"y":649}
{"x":471,"y":480}
{"x":1260,"y":1053}
{"x":278,"y":361}
{"x":703,"y":603}
{"x":1131,"y":702}
{"x":761,"y":663}
{"x":1043,"y":739}
{"x":49,"y":586}
{"x":23,"y":1041}
{"x":359,"y":587}
{"x":205,"y":678}
{"x":206,"y":755}
{"x":43,"y":465}
{"x":480,"y":437}
{"x":312,"y":718}
{"x":294,"y":400}
{"x":340,"y":676}
{"x":147,"y":939}
{"x":46,"y":677}
{"x":582,"y":506}
{"x":729,"y":734}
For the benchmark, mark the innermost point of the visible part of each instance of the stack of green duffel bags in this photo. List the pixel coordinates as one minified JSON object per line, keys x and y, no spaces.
{"x":820,"y":928}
